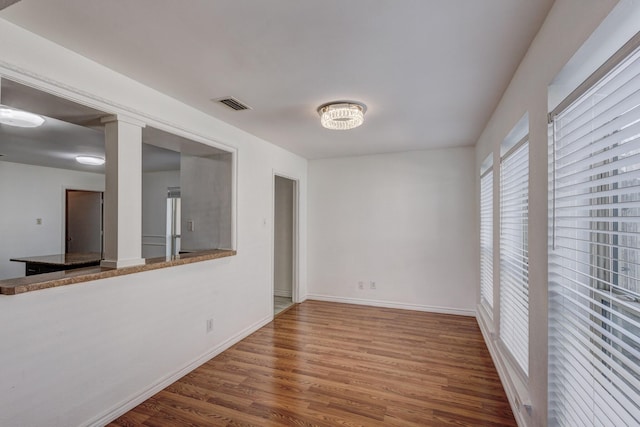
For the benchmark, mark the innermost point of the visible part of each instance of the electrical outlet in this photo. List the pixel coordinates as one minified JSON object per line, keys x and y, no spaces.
{"x":360,"y":285}
{"x":372,"y":285}
{"x":209,"y":325}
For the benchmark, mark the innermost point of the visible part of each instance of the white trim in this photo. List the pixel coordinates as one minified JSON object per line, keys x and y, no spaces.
{"x":391,"y":304}
{"x":122,"y":118}
{"x":481,"y":311}
{"x":285,"y":293}
{"x":295,"y":291}
{"x":234,"y":199}
{"x":295,"y":274}
{"x":121,"y":263}
{"x":517,"y":394}
{"x":518,"y":136}
{"x":132,"y":401}
{"x":620,"y":25}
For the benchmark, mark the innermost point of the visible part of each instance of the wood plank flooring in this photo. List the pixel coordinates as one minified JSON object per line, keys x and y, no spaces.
{"x":329,"y":364}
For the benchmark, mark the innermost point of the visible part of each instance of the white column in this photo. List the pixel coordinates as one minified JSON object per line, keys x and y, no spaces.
{"x":123,"y":192}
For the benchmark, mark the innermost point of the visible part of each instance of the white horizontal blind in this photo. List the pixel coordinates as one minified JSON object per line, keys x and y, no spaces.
{"x":594,"y":264}
{"x":486,"y":240}
{"x":514,"y":256}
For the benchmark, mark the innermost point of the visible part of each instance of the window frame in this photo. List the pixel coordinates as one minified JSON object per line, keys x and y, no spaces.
{"x":486,"y":238}
{"x":514,"y":307}
{"x":594,"y":312}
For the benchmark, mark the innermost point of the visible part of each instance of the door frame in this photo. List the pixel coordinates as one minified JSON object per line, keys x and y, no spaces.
{"x":295,"y":274}
{"x":63,"y":215}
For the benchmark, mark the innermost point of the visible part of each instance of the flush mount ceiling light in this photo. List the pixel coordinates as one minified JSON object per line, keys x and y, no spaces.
{"x":342,"y":115}
{"x":21,"y":119}
{"x":90,"y":160}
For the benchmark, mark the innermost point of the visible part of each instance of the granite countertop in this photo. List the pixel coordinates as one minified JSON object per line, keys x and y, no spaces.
{"x":80,"y":275}
{"x":66,"y":260}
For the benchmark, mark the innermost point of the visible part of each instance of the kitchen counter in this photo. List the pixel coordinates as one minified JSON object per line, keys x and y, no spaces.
{"x":49,"y":263}
{"x":80,"y":275}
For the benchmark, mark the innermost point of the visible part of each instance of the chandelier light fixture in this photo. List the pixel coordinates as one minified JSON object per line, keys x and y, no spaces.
{"x":18,"y":118}
{"x":342,"y":115}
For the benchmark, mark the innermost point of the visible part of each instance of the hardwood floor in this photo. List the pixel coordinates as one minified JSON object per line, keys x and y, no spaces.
{"x":328,"y":364}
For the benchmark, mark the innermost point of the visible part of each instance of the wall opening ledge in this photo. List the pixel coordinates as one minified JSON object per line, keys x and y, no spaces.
{"x":70,"y":277}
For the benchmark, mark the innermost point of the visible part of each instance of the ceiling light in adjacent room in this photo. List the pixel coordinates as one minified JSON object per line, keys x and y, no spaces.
{"x":342,"y":115}
{"x":90,"y":160}
{"x":18,"y":118}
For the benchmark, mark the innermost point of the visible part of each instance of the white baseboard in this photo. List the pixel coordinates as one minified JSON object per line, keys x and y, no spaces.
{"x":127,"y":404}
{"x":391,"y":304}
{"x":285,"y":293}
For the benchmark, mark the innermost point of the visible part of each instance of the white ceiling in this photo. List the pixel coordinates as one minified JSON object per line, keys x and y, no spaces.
{"x":56,"y":144}
{"x":430,"y":71}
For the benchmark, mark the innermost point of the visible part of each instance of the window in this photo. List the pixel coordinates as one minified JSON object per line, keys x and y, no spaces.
{"x":486,"y":239}
{"x":594,"y":262}
{"x":514,"y":257}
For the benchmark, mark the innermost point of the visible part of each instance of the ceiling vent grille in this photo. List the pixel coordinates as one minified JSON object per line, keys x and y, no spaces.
{"x":6,"y":3}
{"x":233,"y":103}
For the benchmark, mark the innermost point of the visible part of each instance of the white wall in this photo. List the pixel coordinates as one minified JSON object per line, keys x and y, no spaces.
{"x":154,"y":210}
{"x":206,"y":201}
{"x":565,"y":29}
{"x":82,"y":354}
{"x":28,"y":193}
{"x":405,"y":221}
{"x":283,"y":237}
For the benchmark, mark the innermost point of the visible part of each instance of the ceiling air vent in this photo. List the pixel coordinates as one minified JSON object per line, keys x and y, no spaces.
{"x":6,"y":3}
{"x":233,"y":103}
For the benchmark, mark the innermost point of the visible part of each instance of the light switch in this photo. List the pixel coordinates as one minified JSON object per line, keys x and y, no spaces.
{"x":38,"y":221}
{"x":190,"y":226}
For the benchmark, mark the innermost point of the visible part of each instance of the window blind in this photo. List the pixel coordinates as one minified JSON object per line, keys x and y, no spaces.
{"x":594,"y":262}
{"x":514,"y":257}
{"x":486,"y":240}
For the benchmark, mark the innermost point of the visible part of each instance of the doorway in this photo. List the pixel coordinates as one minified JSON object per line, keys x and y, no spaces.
{"x":285,"y":243}
{"x":83,"y":221}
